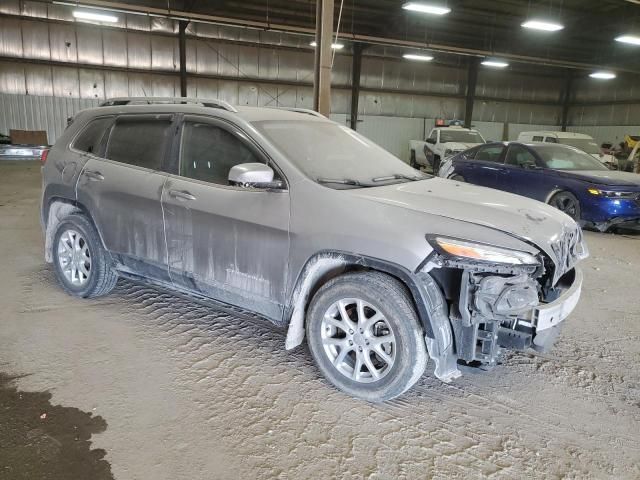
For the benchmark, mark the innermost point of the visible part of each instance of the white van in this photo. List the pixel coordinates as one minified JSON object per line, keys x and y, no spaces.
{"x":578,"y":140}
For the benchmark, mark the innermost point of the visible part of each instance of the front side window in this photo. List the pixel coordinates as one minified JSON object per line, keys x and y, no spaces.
{"x":491,"y":153}
{"x":551,"y":140}
{"x":434,"y":136}
{"x":90,"y":139}
{"x":520,"y":156}
{"x":139,"y":141}
{"x":208,"y":152}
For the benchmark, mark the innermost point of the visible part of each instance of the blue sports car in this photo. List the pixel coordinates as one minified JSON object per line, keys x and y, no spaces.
{"x":559,"y":175}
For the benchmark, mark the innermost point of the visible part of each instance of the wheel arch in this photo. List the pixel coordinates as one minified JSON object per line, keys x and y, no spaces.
{"x":55,"y":211}
{"x":325,"y":265}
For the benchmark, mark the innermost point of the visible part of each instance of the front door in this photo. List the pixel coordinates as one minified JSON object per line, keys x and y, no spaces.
{"x":122,"y":193}
{"x":227,"y":242}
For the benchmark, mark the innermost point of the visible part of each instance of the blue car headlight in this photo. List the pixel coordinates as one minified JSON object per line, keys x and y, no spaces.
{"x":614,"y":194}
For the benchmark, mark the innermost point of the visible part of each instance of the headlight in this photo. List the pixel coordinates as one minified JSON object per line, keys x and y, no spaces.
{"x":480,"y":252}
{"x":613,"y":194}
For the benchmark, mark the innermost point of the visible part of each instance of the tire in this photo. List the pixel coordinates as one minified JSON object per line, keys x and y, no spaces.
{"x":412,"y":159}
{"x":76,"y":243}
{"x":457,"y":178}
{"x":376,"y":295}
{"x":568,"y":203}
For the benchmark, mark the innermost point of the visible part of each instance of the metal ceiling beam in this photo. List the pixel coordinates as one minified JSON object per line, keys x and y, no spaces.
{"x":376,"y":40}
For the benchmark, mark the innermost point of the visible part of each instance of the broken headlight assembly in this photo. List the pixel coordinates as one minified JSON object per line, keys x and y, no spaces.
{"x":463,"y":250}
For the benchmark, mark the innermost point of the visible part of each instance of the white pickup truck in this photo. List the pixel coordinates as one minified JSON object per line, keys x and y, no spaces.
{"x":441,"y":143}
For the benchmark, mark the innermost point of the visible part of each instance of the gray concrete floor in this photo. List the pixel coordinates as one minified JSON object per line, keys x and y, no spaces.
{"x":187,"y":392}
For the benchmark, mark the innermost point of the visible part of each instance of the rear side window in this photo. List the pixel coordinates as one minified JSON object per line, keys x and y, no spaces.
{"x":537,"y":139}
{"x":208,"y":153}
{"x":490,"y":153}
{"x":139,"y":141}
{"x":90,"y":139}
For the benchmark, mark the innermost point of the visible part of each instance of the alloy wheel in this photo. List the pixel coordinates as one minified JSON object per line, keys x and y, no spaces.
{"x":74,"y":257}
{"x":358,"y":340}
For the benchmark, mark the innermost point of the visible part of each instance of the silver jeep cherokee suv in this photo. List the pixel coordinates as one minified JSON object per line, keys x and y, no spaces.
{"x":310,"y":225}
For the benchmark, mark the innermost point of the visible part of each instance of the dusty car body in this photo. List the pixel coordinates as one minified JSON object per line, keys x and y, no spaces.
{"x":378,"y":265}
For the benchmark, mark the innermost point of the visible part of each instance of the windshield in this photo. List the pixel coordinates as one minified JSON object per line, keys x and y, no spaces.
{"x":585,"y":144}
{"x":327,"y":151}
{"x":461,"y":136}
{"x":560,"y":157}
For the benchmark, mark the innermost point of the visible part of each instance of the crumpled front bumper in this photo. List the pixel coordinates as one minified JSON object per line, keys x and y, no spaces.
{"x":548,"y":318}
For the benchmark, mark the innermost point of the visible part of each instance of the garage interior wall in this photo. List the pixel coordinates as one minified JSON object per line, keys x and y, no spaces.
{"x":51,"y":67}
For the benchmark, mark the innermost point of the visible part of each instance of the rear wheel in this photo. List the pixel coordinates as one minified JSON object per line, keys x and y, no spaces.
{"x":81,"y":264}
{"x":364,"y":335}
{"x":568,"y":203}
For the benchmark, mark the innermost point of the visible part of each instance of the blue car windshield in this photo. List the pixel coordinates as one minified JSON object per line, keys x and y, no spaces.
{"x":559,"y":157}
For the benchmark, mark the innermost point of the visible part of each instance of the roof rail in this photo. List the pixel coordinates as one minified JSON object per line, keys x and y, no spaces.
{"x":212,"y":103}
{"x":308,"y":111}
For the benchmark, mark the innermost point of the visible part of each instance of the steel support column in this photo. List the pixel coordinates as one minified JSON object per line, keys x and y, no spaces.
{"x":355,"y":83}
{"x":182,"y":46}
{"x":472,"y":80}
{"x":322,"y":67}
{"x":566,"y":101}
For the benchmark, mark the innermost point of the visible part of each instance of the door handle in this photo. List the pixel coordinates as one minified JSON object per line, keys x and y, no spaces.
{"x":94,"y":175}
{"x":181,"y":195}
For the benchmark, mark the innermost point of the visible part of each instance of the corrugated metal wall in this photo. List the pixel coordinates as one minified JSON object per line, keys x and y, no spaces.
{"x":51,"y":66}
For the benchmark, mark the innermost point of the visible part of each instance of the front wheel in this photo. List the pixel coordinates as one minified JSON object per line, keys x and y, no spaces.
{"x":457,"y":178}
{"x":568,"y":203}
{"x":364,"y":335}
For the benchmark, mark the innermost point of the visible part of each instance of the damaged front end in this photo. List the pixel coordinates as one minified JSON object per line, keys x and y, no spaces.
{"x":498,"y":298}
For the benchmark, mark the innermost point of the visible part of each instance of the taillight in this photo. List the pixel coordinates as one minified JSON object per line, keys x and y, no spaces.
{"x":43,"y":156}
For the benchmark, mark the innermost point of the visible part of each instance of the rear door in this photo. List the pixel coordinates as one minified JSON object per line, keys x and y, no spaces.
{"x":483,"y":169}
{"x":227,"y":242}
{"x":522,"y":173}
{"x":122,"y":192}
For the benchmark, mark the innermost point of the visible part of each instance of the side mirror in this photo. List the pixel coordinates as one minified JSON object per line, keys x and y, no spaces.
{"x":256,"y":175}
{"x":432,"y":141}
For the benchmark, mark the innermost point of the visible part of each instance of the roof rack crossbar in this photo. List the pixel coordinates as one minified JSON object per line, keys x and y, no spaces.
{"x":212,"y":103}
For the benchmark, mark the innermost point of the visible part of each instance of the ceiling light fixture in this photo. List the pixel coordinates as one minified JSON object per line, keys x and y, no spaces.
{"x":630,"y":39}
{"x":420,"y":58}
{"x":543,"y":25}
{"x":335,"y":46}
{"x":603,"y":75}
{"x":428,"y":8}
{"x":495,"y":63}
{"x":94,"y":17}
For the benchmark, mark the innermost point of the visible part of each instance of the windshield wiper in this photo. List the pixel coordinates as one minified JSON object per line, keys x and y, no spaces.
{"x":400,"y":176}
{"x":340,"y":181}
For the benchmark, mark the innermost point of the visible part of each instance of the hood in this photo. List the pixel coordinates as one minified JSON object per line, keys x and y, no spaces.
{"x":605,"y":177}
{"x":553,"y":232}
{"x":458,"y":146}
